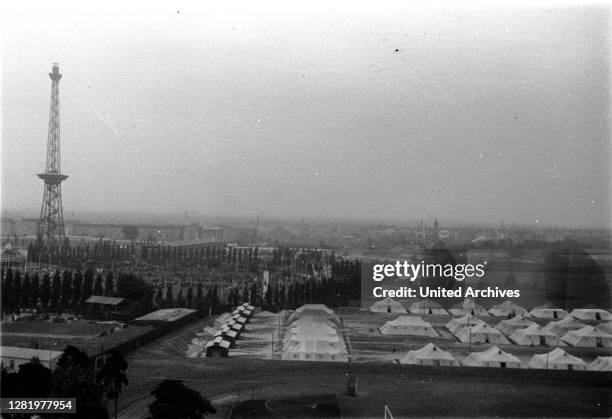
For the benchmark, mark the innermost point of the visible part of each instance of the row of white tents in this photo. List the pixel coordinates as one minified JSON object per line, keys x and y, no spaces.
{"x":524,"y":332}
{"x":430,"y":354}
{"x":312,"y":335}
{"x":505,"y":309}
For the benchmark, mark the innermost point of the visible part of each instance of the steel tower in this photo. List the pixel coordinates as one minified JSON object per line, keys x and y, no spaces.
{"x":51,"y":221}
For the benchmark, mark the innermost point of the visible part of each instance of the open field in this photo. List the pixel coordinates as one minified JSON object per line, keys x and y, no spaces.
{"x":56,"y":336}
{"x":408,"y":390}
{"x":49,"y":328}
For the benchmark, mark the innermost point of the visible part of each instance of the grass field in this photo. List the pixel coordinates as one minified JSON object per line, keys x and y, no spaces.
{"x":56,"y":336}
{"x":45,"y":327}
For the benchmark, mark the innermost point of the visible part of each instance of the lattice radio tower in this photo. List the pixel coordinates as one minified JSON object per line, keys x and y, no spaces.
{"x":51,"y":221}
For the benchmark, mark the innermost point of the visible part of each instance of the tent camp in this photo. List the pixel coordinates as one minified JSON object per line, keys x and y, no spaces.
{"x":509,"y":326}
{"x":468,"y":306}
{"x":481,"y":333}
{"x":548,"y":311}
{"x":493,"y":357}
{"x":564,"y":325}
{"x":535,"y":335}
{"x":314,"y":350}
{"x":588,"y":336}
{"x":591,"y":314}
{"x":429,"y":354}
{"x":387,"y":305}
{"x":508,"y":308}
{"x":455,"y":325}
{"x":601,"y":363}
{"x":557,"y":359}
{"x":427,"y":307}
{"x":408,"y":325}
{"x":314,"y":310}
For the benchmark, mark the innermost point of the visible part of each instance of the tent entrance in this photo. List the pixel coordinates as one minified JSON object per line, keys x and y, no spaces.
{"x":570,"y":367}
{"x":555,"y":314}
{"x":436,"y":362}
{"x":502,"y":365}
{"x":542,"y":340}
{"x":599,"y":342}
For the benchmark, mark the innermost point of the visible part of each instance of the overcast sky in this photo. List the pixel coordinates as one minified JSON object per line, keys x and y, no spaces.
{"x":368,"y":110}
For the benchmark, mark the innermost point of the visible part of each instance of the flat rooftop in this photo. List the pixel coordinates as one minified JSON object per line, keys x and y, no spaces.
{"x":166,"y":314}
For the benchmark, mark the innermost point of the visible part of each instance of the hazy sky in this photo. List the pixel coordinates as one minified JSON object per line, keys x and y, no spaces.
{"x":374,"y":109}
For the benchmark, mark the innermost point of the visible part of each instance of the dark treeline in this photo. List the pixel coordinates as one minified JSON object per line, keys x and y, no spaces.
{"x":68,"y":291}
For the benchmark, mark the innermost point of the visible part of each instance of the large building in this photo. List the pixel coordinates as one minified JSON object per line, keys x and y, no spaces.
{"x":13,"y":357}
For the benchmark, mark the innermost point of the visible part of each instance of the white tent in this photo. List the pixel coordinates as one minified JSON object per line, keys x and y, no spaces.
{"x":481,"y":333}
{"x":314,"y":310}
{"x":588,"y":336}
{"x":427,"y":307}
{"x":408,"y":325}
{"x":455,"y":325}
{"x":314,"y":350}
{"x":509,"y":326}
{"x":591,"y":314}
{"x":334,"y":341}
{"x":493,"y":357}
{"x":387,"y":305}
{"x":429,"y":354}
{"x":468,"y":306}
{"x":535,"y":335}
{"x":564,"y":325}
{"x":606,"y":327}
{"x":326,"y":334}
{"x":602,"y":363}
{"x":548,"y":311}
{"x":308,"y":320}
{"x":557,"y":359}
{"x":508,"y":308}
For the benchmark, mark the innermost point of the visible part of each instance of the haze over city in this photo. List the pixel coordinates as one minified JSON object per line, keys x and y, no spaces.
{"x":471,"y":115}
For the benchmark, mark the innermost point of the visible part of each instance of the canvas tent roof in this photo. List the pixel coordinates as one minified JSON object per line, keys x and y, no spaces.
{"x":506,"y":308}
{"x":584,"y":336}
{"x":454,"y":325}
{"x":548,"y":311}
{"x":314,"y":310}
{"x":428,"y":352}
{"x":556,"y":358}
{"x":493,"y":357}
{"x":606,"y":327}
{"x":601,"y":363}
{"x":481,"y":332}
{"x":564,"y":325}
{"x":387,"y":305}
{"x":531,"y":335}
{"x":591,"y":314}
{"x":427,"y":307}
{"x":468,"y":306}
{"x":408,"y":325}
{"x":510,"y":325}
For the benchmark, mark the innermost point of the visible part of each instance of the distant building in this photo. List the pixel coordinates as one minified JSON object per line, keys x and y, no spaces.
{"x":13,"y":357}
{"x":146,"y":232}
